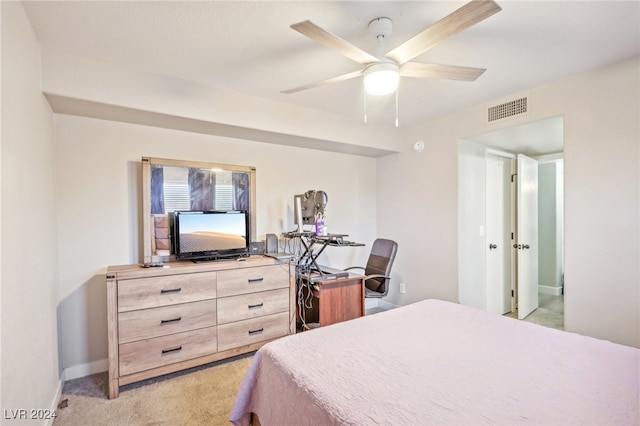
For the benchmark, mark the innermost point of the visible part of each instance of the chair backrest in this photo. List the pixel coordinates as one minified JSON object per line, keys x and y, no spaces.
{"x":380,"y":262}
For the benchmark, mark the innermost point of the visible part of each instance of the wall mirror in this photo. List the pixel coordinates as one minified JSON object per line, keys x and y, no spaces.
{"x":171,"y":185}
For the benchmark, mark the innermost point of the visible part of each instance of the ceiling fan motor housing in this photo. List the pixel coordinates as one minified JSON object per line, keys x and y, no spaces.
{"x":380,"y":27}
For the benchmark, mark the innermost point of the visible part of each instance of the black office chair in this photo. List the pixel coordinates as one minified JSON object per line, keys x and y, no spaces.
{"x":378,"y":270}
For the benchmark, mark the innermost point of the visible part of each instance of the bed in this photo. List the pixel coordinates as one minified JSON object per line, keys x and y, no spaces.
{"x":437,"y":362}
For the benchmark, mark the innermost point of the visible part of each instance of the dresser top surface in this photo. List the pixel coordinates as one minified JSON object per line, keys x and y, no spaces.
{"x":185,"y":267}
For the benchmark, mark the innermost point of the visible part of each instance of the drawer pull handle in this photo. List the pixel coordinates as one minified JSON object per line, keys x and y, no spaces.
{"x":259,"y":305}
{"x":168,"y":351}
{"x":169,"y":321}
{"x":170,"y":290}
{"x":255,"y":280}
{"x":254,"y":332}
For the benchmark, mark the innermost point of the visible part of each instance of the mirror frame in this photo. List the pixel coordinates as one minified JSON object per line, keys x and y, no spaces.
{"x":147,"y":224}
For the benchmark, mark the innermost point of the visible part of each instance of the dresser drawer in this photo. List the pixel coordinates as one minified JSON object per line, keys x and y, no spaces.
{"x":141,"y":293}
{"x":155,"y":322}
{"x":255,"y":330}
{"x":150,"y":353}
{"x":247,"y":306}
{"x":251,"y":280}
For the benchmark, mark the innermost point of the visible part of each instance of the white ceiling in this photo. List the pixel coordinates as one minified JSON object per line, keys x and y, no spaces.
{"x":247,"y":46}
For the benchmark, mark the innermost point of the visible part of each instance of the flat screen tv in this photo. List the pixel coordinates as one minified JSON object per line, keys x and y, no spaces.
{"x":209,"y":235}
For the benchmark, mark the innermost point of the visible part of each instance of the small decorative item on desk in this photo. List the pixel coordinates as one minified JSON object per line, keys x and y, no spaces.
{"x":319,"y":225}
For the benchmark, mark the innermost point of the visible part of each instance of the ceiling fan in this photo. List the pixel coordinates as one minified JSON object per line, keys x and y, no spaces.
{"x":389,"y":67}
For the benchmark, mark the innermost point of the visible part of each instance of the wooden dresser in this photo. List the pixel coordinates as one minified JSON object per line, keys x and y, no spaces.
{"x":166,"y":319}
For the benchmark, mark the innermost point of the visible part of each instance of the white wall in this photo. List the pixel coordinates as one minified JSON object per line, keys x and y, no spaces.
{"x":29,"y":273}
{"x":419,"y":207}
{"x":99,"y":212}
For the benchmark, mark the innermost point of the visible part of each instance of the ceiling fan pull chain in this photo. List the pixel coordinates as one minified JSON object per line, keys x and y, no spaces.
{"x":396,"y":107}
{"x":365,"y":106}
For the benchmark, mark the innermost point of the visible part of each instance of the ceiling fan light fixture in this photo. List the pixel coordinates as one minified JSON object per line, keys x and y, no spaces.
{"x":381,"y":78}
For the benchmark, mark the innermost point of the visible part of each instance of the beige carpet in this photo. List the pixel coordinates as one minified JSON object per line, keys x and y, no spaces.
{"x":200,"y":396}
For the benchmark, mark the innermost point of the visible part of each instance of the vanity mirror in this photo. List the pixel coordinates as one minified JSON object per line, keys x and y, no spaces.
{"x":172,"y":185}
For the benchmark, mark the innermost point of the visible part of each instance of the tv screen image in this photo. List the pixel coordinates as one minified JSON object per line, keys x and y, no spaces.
{"x":210,"y":234}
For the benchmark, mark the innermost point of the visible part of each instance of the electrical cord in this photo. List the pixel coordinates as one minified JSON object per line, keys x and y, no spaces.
{"x":292,"y":243}
{"x":305,"y":301}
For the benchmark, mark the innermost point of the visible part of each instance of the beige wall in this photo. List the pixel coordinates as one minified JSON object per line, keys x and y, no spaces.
{"x":29,"y":272}
{"x":602,"y":205}
{"x":601,"y":110}
{"x":98,"y":191}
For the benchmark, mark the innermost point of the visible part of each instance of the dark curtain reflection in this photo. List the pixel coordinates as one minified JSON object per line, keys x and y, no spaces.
{"x":202,"y":184}
{"x":157,"y":190}
{"x":240,"y":191}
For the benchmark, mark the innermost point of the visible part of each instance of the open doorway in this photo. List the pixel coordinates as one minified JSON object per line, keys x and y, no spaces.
{"x":543,"y":141}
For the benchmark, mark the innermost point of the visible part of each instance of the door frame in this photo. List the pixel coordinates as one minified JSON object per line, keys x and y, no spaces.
{"x":471,"y":208}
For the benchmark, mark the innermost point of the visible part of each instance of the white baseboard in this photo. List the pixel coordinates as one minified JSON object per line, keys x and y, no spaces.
{"x":386,"y":305}
{"x":54,"y":403}
{"x":546,"y":289}
{"x":83,"y":370}
{"x":75,"y":372}
{"x":375,"y":303}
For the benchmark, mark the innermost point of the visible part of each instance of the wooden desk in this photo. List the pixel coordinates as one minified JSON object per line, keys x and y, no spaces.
{"x":335,"y":300}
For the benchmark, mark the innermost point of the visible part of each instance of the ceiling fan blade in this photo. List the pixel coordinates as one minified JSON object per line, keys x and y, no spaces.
{"x":461,"y":19}
{"x":449,"y":72}
{"x":331,"y":41}
{"x":342,"y":77}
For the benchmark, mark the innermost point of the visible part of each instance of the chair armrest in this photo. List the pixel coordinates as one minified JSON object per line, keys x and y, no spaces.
{"x":367,"y":277}
{"x":353,"y":267}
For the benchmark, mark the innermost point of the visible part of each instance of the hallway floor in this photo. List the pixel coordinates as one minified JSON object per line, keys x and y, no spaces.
{"x":550,"y":312}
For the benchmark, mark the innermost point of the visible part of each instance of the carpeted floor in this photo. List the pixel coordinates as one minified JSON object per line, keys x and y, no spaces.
{"x":199,"y":396}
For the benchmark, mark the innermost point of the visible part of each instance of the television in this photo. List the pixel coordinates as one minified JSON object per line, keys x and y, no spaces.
{"x":209,"y":234}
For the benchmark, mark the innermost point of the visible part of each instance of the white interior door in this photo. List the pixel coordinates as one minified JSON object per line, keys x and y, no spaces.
{"x":498,"y":230}
{"x":527,"y":235}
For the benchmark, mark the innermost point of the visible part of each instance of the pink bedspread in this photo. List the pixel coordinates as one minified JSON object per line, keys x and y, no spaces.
{"x":436,"y":362}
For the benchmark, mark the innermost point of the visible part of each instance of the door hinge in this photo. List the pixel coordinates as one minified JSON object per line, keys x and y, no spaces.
{"x":513,"y":293}
{"x":513,"y":177}
{"x":512,"y":236}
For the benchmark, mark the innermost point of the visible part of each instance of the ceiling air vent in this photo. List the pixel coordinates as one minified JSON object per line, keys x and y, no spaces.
{"x":507,"y":109}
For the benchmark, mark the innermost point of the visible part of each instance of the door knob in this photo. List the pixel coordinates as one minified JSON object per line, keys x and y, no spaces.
{"x":525,"y":246}
{"x":492,"y":246}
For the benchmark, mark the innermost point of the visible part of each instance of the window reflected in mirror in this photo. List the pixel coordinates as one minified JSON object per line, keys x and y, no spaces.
{"x":191,"y":188}
{"x":175,"y":185}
